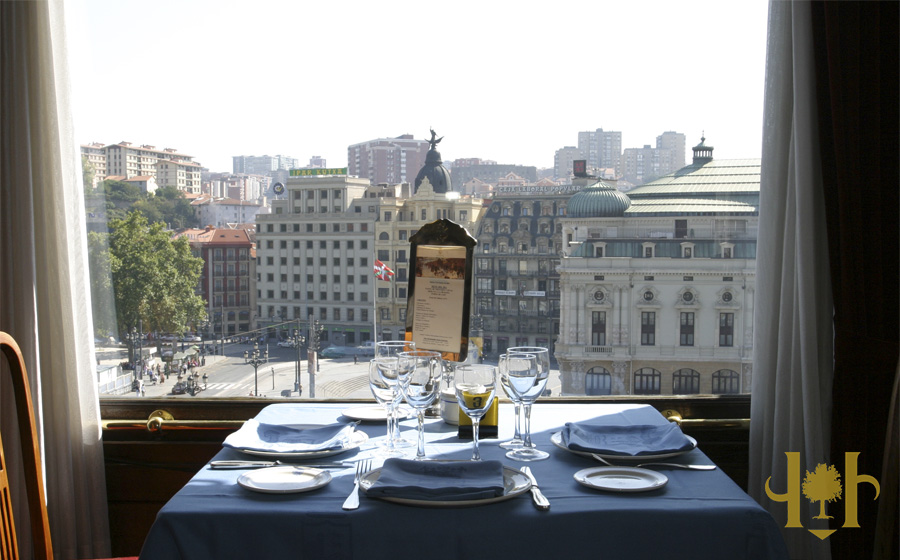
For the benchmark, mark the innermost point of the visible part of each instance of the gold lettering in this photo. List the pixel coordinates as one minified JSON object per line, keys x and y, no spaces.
{"x":852,"y":480}
{"x":792,"y":496}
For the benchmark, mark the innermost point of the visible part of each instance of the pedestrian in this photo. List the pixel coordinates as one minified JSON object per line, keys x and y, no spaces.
{"x":141,"y":391}
{"x":355,"y":359}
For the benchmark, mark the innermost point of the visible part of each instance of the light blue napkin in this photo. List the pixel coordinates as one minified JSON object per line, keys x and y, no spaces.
{"x":633,"y":440}
{"x":439,"y":480}
{"x":286,"y":438}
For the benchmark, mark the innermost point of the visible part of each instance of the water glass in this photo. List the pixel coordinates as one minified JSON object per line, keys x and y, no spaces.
{"x":528,"y":390}
{"x":516,"y":442}
{"x":385,"y":387}
{"x":475,"y":386}
{"x":422,"y":370}
{"x":392,"y":349}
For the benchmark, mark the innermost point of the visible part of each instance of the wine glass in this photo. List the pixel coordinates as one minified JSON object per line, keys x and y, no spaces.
{"x":475,"y":386}
{"x":529,"y":387}
{"x":516,"y":442}
{"x":391,"y":349}
{"x":423,"y":370}
{"x":383,"y":381}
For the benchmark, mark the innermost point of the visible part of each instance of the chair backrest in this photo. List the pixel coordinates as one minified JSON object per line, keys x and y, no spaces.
{"x":31,"y":459}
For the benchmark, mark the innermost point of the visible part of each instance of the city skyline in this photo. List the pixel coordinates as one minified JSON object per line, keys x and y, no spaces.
{"x":512,"y":85}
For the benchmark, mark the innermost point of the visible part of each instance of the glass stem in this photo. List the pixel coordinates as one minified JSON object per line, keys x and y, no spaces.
{"x":518,"y":424}
{"x":527,"y":443}
{"x":475,"y":455}
{"x":420,"y":450}
{"x":390,"y":428}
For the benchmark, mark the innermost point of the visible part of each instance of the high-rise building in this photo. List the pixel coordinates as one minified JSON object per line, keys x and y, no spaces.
{"x":642,"y":165}
{"x":387,"y":160}
{"x":601,"y":149}
{"x":658,"y":284}
{"x":675,"y":142}
{"x":562,"y":162}
{"x":96,"y":157}
{"x":262,"y":165}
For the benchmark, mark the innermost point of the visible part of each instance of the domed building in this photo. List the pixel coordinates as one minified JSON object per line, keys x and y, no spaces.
{"x":657,"y":284}
{"x":434,"y":170}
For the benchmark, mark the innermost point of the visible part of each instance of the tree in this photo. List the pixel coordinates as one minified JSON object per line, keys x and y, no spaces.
{"x":87,"y":174}
{"x":823,"y":485}
{"x":154,"y":277}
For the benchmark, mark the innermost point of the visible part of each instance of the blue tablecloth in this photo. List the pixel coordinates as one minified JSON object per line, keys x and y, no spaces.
{"x":698,"y":514}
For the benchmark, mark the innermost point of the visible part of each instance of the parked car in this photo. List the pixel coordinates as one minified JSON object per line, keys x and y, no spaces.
{"x":285,"y":344}
{"x":179,"y":388}
{"x":334,"y":352}
{"x":191,"y":338}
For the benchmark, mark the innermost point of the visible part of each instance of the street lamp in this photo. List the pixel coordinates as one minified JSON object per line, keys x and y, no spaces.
{"x":312,"y":358}
{"x":255,"y":359}
{"x":297,"y":340}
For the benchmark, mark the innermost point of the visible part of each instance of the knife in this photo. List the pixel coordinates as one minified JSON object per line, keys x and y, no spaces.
{"x":540,"y":501}
{"x":261,"y":464}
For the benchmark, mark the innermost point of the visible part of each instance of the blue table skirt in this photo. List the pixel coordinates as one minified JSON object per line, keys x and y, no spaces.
{"x":698,"y":514}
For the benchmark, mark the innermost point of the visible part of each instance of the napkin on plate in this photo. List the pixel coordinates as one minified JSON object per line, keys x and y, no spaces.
{"x":439,"y":480}
{"x":636,"y":440}
{"x":280,"y":438}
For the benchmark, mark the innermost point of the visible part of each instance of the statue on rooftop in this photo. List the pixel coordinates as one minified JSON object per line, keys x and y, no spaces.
{"x":434,"y":142}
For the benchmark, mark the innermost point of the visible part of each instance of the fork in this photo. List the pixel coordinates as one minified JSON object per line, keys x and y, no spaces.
{"x":673,"y":465}
{"x":352,"y":501}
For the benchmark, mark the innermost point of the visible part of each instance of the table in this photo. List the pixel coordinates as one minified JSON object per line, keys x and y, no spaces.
{"x":698,"y":514}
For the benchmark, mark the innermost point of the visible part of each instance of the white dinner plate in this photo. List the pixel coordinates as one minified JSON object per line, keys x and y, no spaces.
{"x":514,"y":483}
{"x":357,"y":438}
{"x":621,"y":479}
{"x":556,"y":439}
{"x":374,"y":413}
{"x":284,"y":480}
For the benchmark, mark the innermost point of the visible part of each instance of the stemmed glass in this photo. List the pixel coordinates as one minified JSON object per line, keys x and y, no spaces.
{"x":391,"y":349}
{"x":529,"y":383}
{"x":475,"y":386}
{"x":385,"y":386}
{"x":423,"y":370}
{"x":516,"y":442}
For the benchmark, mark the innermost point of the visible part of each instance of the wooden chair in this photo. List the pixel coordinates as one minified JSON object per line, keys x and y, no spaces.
{"x":34,"y":487}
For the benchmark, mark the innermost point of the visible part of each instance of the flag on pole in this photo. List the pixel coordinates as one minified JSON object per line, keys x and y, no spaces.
{"x":382,"y":272}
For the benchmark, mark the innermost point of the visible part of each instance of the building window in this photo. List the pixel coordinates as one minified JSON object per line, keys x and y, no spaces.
{"x":597,"y":381}
{"x":726,"y":381}
{"x":726,"y":329}
{"x":686,"y":382}
{"x":598,"y":330}
{"x":424,"y":214}
{"x":648,"y":328}
{"x":385,"y":313}
{"x":687,"y":328}
{"x":646,"y":381}
{"x":384,"y":255}
{"x":383,"y":292}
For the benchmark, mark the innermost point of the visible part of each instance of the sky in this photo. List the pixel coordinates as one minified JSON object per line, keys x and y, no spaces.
{"x":507,"y":81}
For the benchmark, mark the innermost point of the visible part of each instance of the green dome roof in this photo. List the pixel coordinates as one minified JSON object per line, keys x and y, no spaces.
{"x":600,"y":200}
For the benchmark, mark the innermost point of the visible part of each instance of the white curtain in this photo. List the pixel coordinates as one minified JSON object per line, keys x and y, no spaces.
{"x":45,"y":300}
{"x":793,"y":347}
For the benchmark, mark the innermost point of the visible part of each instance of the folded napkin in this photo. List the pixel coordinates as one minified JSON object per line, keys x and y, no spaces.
{"x":439,"y":480}
{"x":280,"y":438}
{"x":633,"y":440}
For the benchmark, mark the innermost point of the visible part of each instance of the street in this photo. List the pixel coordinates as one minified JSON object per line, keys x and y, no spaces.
{"x":230,"y":376}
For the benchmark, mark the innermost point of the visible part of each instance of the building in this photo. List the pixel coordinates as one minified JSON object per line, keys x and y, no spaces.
{"x":466,"y":170}
{"x":170,"y":167}
{"x":262,"y":165}
{"x":315,"y":254}
{"x":657,"y":286}
{"x":517,"y":291}
{"x":226,"y":283}
{"x":240,"y":186}
{"x":642,"y":165}
{"x":224,"y":212}
{"x":96,"y":157}
{"x":387,"y":160}
{"x":562,"y":162}
{"x":601,"y":149}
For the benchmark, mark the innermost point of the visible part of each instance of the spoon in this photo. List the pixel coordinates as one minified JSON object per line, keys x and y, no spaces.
{"x":673,"y":465}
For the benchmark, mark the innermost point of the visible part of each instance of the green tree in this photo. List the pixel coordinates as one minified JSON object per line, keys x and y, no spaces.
{"x":87,"y":174}
{"x":154,"y":277}
{"x":102,"y":301}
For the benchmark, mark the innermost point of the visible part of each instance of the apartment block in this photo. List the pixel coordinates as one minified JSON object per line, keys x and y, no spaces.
{"x":601,"y":149}
{"x":262,"y":165}
{"x":387,"y":160}
{"x":170,"y":167}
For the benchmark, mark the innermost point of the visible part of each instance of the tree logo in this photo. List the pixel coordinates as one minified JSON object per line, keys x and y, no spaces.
{"x":822,"y":485}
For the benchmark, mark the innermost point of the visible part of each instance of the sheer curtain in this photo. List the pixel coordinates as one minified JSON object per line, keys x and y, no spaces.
{"x":44,"y":295}
{"x":793,"y":347}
